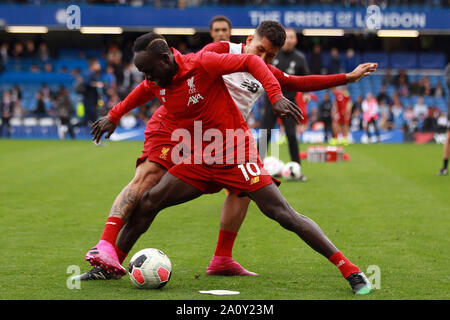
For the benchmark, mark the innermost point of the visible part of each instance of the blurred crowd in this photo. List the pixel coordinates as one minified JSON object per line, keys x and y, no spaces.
{"x":195,"y":3}
{"x":103,"y":85}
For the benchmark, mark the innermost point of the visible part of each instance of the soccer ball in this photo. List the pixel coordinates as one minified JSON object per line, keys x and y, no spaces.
{"x":273,"y":166}
{"x":291,"y":171}
{"x":150,"y":269}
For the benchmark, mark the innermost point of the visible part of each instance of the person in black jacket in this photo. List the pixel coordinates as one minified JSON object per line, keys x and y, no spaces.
{"x":291,"y":61}
{"x":92,"y":91}
{"x":325,"y":115}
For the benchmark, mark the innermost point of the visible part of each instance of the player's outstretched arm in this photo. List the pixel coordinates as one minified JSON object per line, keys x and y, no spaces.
{"x":320,"y":82}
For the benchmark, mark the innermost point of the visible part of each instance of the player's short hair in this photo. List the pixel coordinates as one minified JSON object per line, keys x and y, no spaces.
{"x":219,"y":18}
{"x":273,"y":31}
{"x":151,"y":42}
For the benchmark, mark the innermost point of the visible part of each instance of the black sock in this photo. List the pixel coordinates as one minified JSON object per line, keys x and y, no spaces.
{"x":445,"y":163}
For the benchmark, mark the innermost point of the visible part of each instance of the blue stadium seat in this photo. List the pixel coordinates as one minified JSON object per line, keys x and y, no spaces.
{"x":403,"y":60}
{"x":77,"y":53}
{"x":28,"y":77}
{"x":381,"y":58}
{"x":428,"y":60}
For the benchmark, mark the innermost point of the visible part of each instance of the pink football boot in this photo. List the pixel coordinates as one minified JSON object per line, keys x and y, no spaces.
{"x":226,"y":266}
{"x":104,"y":255}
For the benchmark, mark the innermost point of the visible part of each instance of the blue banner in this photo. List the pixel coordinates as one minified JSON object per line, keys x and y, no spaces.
{"x":242,"y":17}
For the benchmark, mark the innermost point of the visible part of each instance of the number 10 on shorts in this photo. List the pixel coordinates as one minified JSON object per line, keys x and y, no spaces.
{"x":251,"y":169}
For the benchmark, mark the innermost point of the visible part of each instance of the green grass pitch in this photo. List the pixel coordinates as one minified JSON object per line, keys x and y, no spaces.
{"x":386,"y":207}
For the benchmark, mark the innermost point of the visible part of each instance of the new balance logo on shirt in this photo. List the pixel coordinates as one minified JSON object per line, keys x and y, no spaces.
{"x":251,"y":86}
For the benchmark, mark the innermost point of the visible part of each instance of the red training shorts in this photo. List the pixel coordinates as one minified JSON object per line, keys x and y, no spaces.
{"x":236,"y":178}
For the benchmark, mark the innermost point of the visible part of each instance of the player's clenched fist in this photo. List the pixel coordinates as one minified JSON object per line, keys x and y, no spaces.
{"x":101,"y":126}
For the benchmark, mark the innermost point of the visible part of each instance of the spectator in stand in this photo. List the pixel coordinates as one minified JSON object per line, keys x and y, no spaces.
{"x":47,"y":97}
{"x":383,"y":108}
{"x":357,"y":104}
{"x":109,"y":78}
{"x":48,"y":67}
{"x":430,"y":122}
{"x":3,"y":55}
{"x":114,"y":55}
{"x":34,"y":68}
{"x":420,"y":121}
{"x":397,"y":113}
{"x":6,"y":112}
{"x":409,"y":118}
{"x":39,"y":111}
{"x":425,"y":86}
{"x":415,"y":88}
{"x":114,"y":58}
{"x":438,"y":91}
{"x":325,"y":115}
{"x":442,"y":122}
{"x":65,"y":111}
{"x":356,"y":124}
{"x":401,"y":82}
{"x":30,"y":49}
{"x":387,"y":79}
{"x":315,"y":60}
{"x":334,"y":66}
{"x":16,"y":94}
{"x":387,"y":119}
{"x":17,"y":51}
{"x":4,"y":52}
{"x":370,"y":115}
{"x":43,"y":52}
{"x":420,"y":108}
{"x":350,"y":60}
{"x":382,"y":95}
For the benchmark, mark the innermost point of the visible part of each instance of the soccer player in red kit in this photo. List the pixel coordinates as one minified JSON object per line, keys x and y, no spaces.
{"x":158,"y":143}
{"x":194,"y":89}
{"x":342,"y":116}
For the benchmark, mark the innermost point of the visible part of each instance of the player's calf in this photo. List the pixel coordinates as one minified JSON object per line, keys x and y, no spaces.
{"x":271,"y":203}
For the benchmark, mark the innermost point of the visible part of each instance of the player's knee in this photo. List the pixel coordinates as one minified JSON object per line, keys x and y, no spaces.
{"x":147,"y":179}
